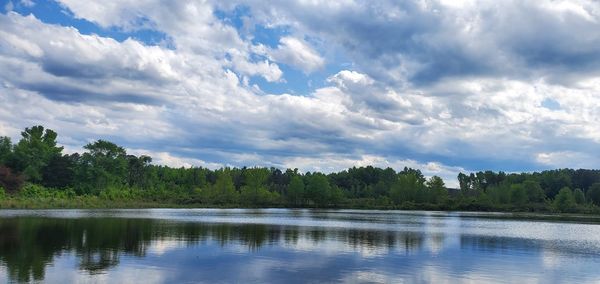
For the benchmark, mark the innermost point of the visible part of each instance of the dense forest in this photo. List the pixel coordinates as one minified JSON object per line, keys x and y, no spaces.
{"x":35,"y":172}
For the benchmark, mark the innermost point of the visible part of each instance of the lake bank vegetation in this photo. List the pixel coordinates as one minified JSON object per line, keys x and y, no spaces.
{"x":35,"y":173}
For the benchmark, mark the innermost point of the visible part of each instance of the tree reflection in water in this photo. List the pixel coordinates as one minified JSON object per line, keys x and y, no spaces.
{"x":29,"y":244}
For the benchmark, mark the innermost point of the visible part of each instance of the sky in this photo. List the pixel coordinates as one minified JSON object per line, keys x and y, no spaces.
{"x":440,"y":85}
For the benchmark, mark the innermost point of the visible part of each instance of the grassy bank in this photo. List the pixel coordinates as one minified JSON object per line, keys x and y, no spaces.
{"x":103,"y":202}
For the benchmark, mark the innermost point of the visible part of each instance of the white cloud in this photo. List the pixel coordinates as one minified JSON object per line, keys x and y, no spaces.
{"x":448,"y":89}
{"x":296,"y":52}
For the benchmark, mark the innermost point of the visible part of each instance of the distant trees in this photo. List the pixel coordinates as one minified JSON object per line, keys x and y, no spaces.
{"x":295,"y":191}
{"x":318,"y":189}
{"x":594,"y":193}
{"x":223,"y":191}
{"x":579,"y":196}
{"x":564,"y":201}
{"x":437,"y":190}
{"x":106,"y":170}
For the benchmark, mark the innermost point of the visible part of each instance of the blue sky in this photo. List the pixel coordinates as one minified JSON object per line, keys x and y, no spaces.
{"x":444,"y":86}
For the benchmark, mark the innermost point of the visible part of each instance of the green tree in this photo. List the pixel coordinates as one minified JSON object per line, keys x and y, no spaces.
{"x":255,"y":189}
{"x":437,"y":189}
{"x":104,"y":165}
{"x":593,"y":193}
{"x":138,"y":169}
{"x":564,"y":200}
{"x":318,"y":189}
{"x":500,"y":193}
{"x":295,"y":191}
{"x":60,"y":171}
{"x":33,"y":152}
{"x":6,"y":148}
{"x":579,"y":196}
{"x":408,"y":187}
{"x":336,"y":195}
{"x":535,"y":193}
{"x":224,"y":191}
{"x":518,"y":195}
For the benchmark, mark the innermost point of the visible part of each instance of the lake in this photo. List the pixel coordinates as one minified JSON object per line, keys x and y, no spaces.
{"x":292,"y":246}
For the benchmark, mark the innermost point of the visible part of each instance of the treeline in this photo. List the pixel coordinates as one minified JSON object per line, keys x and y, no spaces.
{"x":35,"y":168}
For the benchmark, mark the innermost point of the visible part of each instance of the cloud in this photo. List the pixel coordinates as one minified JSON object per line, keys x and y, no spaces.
{"x":443,"y":86}
{"x":298,"y":53}
{"x":9,"y":6}
{"x":419,"y":42}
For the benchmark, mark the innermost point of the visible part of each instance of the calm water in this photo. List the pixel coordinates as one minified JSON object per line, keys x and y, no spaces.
{"x":291,"y":246}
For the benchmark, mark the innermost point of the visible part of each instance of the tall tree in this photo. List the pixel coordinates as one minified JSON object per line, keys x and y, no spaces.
{"x":33,"y":152}
{"x":6,"y":148}
{"x":593,"y":193}
{"x":579,"y":196}
{"x":104,"y":164}
{"x":60,"y":171}
{"x":564,"y":200}
{"x":224,"y":190}
{"x":437,"y":190}
{"x":138,"y":170}
{"x":295,"y":191}
{"x":255,"y":190}
{"x":318,"y":189}
{"x":535,"y":193}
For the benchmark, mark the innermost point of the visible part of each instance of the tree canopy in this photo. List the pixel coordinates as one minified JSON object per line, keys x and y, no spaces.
{"x":106,"y":170}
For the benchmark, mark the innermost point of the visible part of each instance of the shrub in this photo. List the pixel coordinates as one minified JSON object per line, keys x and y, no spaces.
{"x":34,"y":191}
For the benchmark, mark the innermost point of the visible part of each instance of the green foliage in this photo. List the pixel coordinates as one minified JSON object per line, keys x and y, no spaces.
{"x":60,"y":171}
{"x":105,"y":164}
{"x":34,"y":191}
{"x":106,"y":175}
{"x":318,"y":189}
{"x":255,"y":192}
{"x":593,"y":193}
{"x":295,"y":191}
{"x":518,"y":195}
{"x":553,"y":181}
{"x":408,"y":187}
{"x":223,"y":191}
{"x":499,"y":193}
{"x":564,"y":200}
{"x":336,"y":196}
{"x":535,"y":193}
{"x":34,"y":151}
{"x":579,"y":196}
{"x":6,"y":148}
{"x":437,"y":190}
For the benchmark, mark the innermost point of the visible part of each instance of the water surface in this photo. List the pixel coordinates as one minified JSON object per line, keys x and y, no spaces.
{"x":292,"y":246}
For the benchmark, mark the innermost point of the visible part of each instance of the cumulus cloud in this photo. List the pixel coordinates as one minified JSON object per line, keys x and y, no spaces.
{"x":295,"y":52}
{"x":445,"y":86}
{"x":419,"y":42}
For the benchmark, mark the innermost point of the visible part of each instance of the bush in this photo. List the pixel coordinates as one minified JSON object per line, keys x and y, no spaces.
{"x":119,"y":193}
{"x":2,"y":193}
{"x":34,"y":191}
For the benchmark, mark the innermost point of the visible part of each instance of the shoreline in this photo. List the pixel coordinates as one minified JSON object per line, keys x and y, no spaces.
{"x":93,"y":204}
